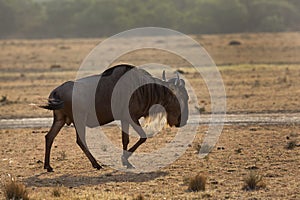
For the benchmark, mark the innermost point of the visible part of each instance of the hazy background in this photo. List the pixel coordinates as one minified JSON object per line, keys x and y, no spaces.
{"x":100,"y":18}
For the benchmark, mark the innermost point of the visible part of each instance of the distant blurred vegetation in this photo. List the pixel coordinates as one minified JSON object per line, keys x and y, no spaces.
{"x":98,"y":18}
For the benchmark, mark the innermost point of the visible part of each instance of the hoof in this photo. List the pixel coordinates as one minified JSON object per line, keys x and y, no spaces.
{"x":97,"y":166}
{"x":126,"y":163}
{"x":130,"y":166}
{"x":49,"y":169}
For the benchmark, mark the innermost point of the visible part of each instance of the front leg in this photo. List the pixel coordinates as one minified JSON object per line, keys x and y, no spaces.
{"x":125,"y":142}
{"x":125,"y":134}
{"x":126,"y":154}
{"x":124,"y":159}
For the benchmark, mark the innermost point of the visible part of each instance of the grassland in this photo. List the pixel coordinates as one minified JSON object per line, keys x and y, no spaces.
{"x":30,"y":69}
{"x":260,"y":75}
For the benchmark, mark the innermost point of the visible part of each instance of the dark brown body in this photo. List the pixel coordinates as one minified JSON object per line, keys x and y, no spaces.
{"x":109,"y":105}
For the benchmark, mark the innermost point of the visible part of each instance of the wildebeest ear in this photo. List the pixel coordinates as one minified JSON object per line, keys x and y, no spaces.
{"x":182,"y":82}
{"x":164,"y":76}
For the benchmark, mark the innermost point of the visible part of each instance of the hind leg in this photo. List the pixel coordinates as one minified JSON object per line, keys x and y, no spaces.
{"x":88,"y":154}
{"x":58,"y":123}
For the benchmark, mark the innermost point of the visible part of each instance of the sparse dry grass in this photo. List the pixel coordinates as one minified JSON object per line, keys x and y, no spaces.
{"x":246,"y":90}
{"x":253,"y":83}
{"x":56,"y":192}
{"x":14,"y":190}
{"x":226,"y":169}
{"x":253,"y":181}
{"x":197,"y":183}
{"x":139,"y":197}
{"x":62,"y":155}
{"x":197,"y":147}
{"x":291,"y":145}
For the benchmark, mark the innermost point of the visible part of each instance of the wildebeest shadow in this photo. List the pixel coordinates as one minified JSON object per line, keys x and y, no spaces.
{"x":69,"y":180}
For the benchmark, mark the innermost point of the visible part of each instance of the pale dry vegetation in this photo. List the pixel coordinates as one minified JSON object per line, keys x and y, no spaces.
{"x":253,"y":181}
{"x":197,"y":183}
{"x":14,"y":190}
{"x":31,"y":69}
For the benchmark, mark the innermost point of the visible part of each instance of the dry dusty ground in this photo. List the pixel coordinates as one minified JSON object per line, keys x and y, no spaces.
{"x":240,"y":149}
{"x":260,"y":75}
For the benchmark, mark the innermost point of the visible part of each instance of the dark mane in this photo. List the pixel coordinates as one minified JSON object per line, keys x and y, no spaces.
{"x":109,"y":71}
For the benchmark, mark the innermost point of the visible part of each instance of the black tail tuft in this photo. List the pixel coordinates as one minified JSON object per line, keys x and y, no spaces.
{"x":53,"y":104}
{"x":54,"y":101}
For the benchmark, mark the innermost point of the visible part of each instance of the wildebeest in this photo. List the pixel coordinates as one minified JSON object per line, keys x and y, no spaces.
{"x":170,"y":94}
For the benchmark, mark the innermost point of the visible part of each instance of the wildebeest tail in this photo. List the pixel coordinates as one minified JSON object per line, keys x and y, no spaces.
{"x":54,"y":102}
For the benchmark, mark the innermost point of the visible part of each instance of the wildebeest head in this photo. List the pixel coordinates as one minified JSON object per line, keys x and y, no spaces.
{"x":177,"y":106}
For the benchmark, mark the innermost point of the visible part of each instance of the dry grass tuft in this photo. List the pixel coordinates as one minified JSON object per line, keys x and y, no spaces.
{"x":200,"y":109}
{"x":197,"y":147}
{"x":15,"y":190}
{"x":291,"y":145}
{"x":62,"y":156}
{"x":253,"y":181}
{"x":197,"y":183}
{"x":139,"y":197}
{"x":56,"y":192}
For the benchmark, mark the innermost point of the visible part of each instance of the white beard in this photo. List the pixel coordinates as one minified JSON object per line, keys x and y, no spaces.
{"x":154,"y":123}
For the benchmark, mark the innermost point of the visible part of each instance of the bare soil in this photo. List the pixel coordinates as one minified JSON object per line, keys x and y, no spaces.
{"x":240,"y":149}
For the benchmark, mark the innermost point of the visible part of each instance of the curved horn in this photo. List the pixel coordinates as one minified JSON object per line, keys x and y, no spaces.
{"x":164,"y":76}
{"x":177,"y":81}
